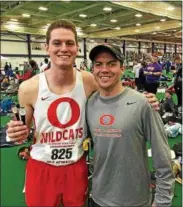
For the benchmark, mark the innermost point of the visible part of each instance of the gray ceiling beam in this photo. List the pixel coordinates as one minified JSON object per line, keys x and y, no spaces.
{"x":80,"y":10}
{"x":17,"y":35}
{"x":46,"y":5}
{"x":14,"y":7}
{"x":158,"y":8}
{"x":55,"y":17}
{"x":32,"y":13}
{"x":101,"y":18}
{"x":111,"y":26}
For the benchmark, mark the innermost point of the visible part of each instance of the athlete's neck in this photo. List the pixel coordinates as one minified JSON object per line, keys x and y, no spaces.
{"x":62,"y":76}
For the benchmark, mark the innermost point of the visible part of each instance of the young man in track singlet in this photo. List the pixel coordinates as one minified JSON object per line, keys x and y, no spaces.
{"x":121,"y":122}
{"x":55,"y":99}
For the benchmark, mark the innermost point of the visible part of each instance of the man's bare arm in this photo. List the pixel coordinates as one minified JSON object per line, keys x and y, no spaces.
{"x":26,"y":95}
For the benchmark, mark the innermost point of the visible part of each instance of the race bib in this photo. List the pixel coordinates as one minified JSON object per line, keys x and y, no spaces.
{"x":61,"y":155}
{"x":58,"y":154}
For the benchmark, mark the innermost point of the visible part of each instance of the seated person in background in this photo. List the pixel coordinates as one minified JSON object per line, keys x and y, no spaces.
{"x":167,"y":106}
{"x":5,"y":82}
{"x":164,"y":78}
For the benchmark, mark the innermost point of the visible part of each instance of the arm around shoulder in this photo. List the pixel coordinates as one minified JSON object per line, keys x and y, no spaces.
{"x":89,"y":82}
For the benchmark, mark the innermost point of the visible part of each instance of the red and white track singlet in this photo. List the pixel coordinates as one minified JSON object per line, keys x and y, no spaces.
{"x":60,"y":125}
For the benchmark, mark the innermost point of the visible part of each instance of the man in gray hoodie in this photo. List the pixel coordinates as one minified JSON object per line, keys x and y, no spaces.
{"x":121,"y":121}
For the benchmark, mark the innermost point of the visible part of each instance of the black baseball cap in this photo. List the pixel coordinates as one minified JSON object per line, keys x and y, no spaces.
{"x":114,"y":49}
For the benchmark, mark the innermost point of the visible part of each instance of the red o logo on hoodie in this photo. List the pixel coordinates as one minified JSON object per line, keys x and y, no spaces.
{"x":107,"y":120}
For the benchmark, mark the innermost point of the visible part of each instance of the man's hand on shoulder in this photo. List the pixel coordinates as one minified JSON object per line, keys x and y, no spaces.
{"x":151,"y":98}
{"x":90,"y":84}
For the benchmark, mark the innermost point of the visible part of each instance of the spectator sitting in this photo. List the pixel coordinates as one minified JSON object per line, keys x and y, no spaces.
{"x":168,"y":107}
{"x":5,"y":82}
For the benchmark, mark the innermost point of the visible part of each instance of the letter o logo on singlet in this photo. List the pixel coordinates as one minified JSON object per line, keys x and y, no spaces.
{"x":106,"y":120}
{"x":52,"y":112}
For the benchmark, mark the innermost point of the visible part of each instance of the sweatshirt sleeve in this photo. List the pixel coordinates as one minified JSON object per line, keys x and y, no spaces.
{"x":154,"y":132}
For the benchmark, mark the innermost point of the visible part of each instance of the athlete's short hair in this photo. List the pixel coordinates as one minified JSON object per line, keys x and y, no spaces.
{"x":62,"y":23}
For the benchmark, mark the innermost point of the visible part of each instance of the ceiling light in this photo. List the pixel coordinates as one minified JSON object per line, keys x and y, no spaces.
{"x":137,"y":30}
{"x":113,"y":20}
{"x":83,"y":15}
{"x":171,"y":8}
{"x":93,"y":25}
{"x":138,"y":24}
{"x":92,"y":40}
{"x":107,"y":9}
{"x":162,"y":20}
{"x":118,"y":28}
{"x":174,"y":30}
{"x":12,"y":26}
{"x":14,"y":20}
{"x":43,"y":8}
{"x":154,"y":33}
{"x":26,"y":15}
{"x":138,"y":15}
